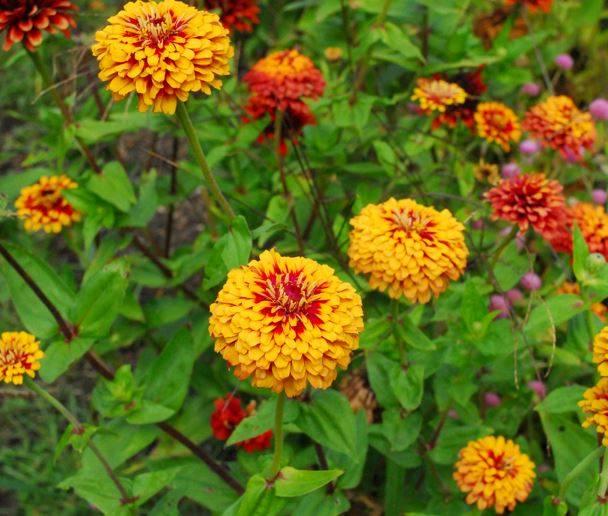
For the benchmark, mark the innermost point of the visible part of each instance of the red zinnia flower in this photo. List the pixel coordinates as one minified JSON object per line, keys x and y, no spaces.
{"x":24,"y":20}
{"x":236,"y":15}
{"x":226,"y":417}
{"x":533,"y":5}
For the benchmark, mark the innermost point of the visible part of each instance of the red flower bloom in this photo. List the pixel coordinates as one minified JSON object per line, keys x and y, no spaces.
{"x":236,"y":15}
{"x":25,"y":20}
{"x":533,"y":5}
{"x":226,"y":417}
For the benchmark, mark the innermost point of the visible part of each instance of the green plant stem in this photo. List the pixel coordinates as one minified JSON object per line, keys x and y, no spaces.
{"x":501,"y":248}
{"x":393,"y":496}
{"x":278,"y":435}
{"x":65,"y":110}
{"x":186,"y":122}
{"x":577,"y":470}
{"x":604,"y":476}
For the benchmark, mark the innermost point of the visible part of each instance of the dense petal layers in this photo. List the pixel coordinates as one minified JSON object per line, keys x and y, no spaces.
{"x":20,"y":355}
{"x":600,"y":351}
{"x":497,"y":123}
{"x":494,"y":473}
{"x":162,"y":52}
{"x":286,"y":322}
{"x":595,"y":406}
{"x":237,"y":15}
{"x":43,"y":206}
{"x":437,"y":94}
{"x":407,"y":249}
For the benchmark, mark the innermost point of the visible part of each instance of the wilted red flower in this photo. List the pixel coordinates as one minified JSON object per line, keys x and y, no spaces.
{"x":282,"y":81}
{"x":530,"y":200}
{"x":533,"y":5}
{"x":25,"y":20}
{"x":559,"y":124}
{"x":236,"y":15}
{"x":226,"y":417}
{"x":497,"y":123}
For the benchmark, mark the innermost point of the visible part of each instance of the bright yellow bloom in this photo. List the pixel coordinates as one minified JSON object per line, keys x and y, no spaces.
{"x":497,"y":123}
{"x":42,"y":205}
{"x":19,"y":354}
{"x":600,"y":351}
{"x":437,"y":94}
{"x":595,"y":406}
{"x":487,"y":173}
{"x":162,"y":51}
{"x":286,"y":322}
{"x":494,"y":473}
{"x":408,"y":249}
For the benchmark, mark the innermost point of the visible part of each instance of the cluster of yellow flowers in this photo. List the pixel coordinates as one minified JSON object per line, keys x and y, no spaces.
{"x":595,"y":399}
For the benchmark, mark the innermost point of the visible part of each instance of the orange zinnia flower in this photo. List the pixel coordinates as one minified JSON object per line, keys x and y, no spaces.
{"x":236,"y":15}
{"x":497,"y":123}
{"x":20,"y":355}
{"x":595,"y":407}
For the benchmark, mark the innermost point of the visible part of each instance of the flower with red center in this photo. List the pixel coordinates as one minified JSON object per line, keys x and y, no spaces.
{"x":20,"y":355}
{"x":494,"y":474}
{"x":595,"y":407}
{"x":226,"y":417}
{"x":43,"y":206}
{"x":530,"y":200}
{"x":533,"y":5}
{"x":162,"y":52}
{"x":26,"y":20}
{"x":437,"y":94}
{"x":236,"y":15}
{"x":408,"y":249}
{"x":286,"y":322}
{"x":283,"y":81}
{"x":559,"y":124}
{"x":497,"y":123}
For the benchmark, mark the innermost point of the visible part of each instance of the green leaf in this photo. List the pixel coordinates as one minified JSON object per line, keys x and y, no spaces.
{"x":258,"y":500}
{"x":561,"y":400}
{"x":408,"y":386}
{"x":145,"y":208}
{"x":146,"y":485}
{"x":238,"y":244}
{"x":551,"y":313}
{"x":60,"y":355}
{"x":379,"y":370}
{"x":412,"y":335}
{"x":399,"y":429}
{"x":396,"y":39}
{"x":293,"y":482}
{"x":113,"y":185}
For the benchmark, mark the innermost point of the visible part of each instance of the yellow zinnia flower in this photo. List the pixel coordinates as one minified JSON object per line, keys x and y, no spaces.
{"x":162,"y":51}
{"x":437,"y":94}
{"x":497,"y":123}
{"x":286,"y":322}
{"x":600,"y":351}
{"x":595,"y":406}
{"x":408,"y":249}
{"x":19,"y":354}
{"x":494,"y":473}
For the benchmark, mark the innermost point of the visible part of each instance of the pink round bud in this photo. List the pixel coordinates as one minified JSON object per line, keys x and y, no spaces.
{"x":477,"y":224}
{"x":491,"y":399}
{"x":529,"y":147}
{"x":514,"y":295}
{"x":599,"y":196}
{"x":531,"y":281}
{"x":499,"y":303}
{"x":564,"y":61}
{"x":530,"y":88}
{"x":510,"y":170}
{"x":452,"y":414}
{"x":599,"y":109}
{"x":539,"y":388}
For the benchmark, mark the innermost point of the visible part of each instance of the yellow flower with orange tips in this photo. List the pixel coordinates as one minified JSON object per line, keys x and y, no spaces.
{"x":595,"y":406}
{"x":43,"y":206}
{"x":20,"y":355}
{"x":494,"y":473}
{"x":286,"y":322}
{"x":162,"y":51}
{"x":407,"y":249}
{"x":437,"y":94}
{"x":497,"y":123}
{"x":600,"y":351}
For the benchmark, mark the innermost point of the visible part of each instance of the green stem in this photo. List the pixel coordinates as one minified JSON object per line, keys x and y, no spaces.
{"x":395,"y":486}
{"x":278,"y":435}
{"x":577,"y":470}
{"x":604,"y":476}
{"x":186,"y":122}
{"x":503,"y":245}
{"x":384,"y":13}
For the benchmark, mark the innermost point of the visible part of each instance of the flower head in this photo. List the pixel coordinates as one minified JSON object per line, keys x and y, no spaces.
{"x":43,"y":206}
{"x":286,"y":322}
{"x":237,"y":15}
{"x":26,"y":20}
{"x":162,"y":51}
{"x":487,"y":173}
{"x":531,"y":281}
{"x":494,"y":473}
{"x":599,"y":109}
{"x":529,"y":200}
{"x":592,"y":220}
{"x":599,"y":196}
{"x":533,"y":5}
{"x":564,"y":61}
{"x":600,"y":351}
{"x":437,"y":94}
{"x":497,"y":123}
{"x":531,"y":88}
{"x":510,"y":170}
{"x":19,"y":354}
{"x":559,"y":124}
{"x":595,"y":406}
{"x":333,"y":54}
{"x":226,"y":417}
{"x":407,"y":249}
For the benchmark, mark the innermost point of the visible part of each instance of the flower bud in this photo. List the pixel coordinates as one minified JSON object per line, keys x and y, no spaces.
{"x":531,"y":281}
{"x":491,"y":399}
{"x":539,"y":388}
{"x":529,"y":147}
{"x":530,"y":88}
{"x":599,"y":196}
{"x":599,"y":109}
{"x":510,"y":170}
{"x":564,"y":61}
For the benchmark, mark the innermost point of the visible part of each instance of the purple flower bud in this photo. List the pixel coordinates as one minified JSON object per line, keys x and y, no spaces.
{"x":500,"y":304}
{"x":452,"y":414}
{"x":531,"y":281}
{"x":599,"y":109}
{"x":529,"y":147}
{"x":477,"y":224}
{"x":530,"y":88}
{"x":564,"y":61}
{"x":599,"y":196}
{"x":539,"y":388}
{"x":510,"y":170}
{"x":491,"y":399}
{"x":514,"y":295}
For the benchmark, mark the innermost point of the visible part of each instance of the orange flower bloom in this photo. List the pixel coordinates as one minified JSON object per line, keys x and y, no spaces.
{"x":20,"y":355}
{"x":437,"y":94}
{"x":533,"y":5}
{"x":236,"y":15}
{"x":600,"y":351}
{"x":487,"y":172}
{"x":42,"y":205}
{"x":530,"y":200}
{"x":162,"y":52}
{"x":25,"y":20}
{"x":558,"y":124}
{"x":494,"y":473}
{"x":592,"y":220}
{"x":595,"y":406}
{"x":497,"y":123}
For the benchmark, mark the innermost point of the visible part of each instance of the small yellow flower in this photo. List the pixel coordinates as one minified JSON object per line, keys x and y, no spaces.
{"x":286,"y":322}
{"x":437,"y":94}
{"x":42,"y":205}
{"x":595,"y":406}
{"x":19,"y":354}
{"x":162,"y":51}
{"x":600,"y":351}
{"x":494,"y":473}
{"x":497,"y":123}
{"x":487,"y":173}
{"x":333,"y":53}
{"x":408,"y":249}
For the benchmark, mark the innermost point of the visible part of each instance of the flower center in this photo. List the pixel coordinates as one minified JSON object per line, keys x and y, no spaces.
{"x":290,"y":292}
